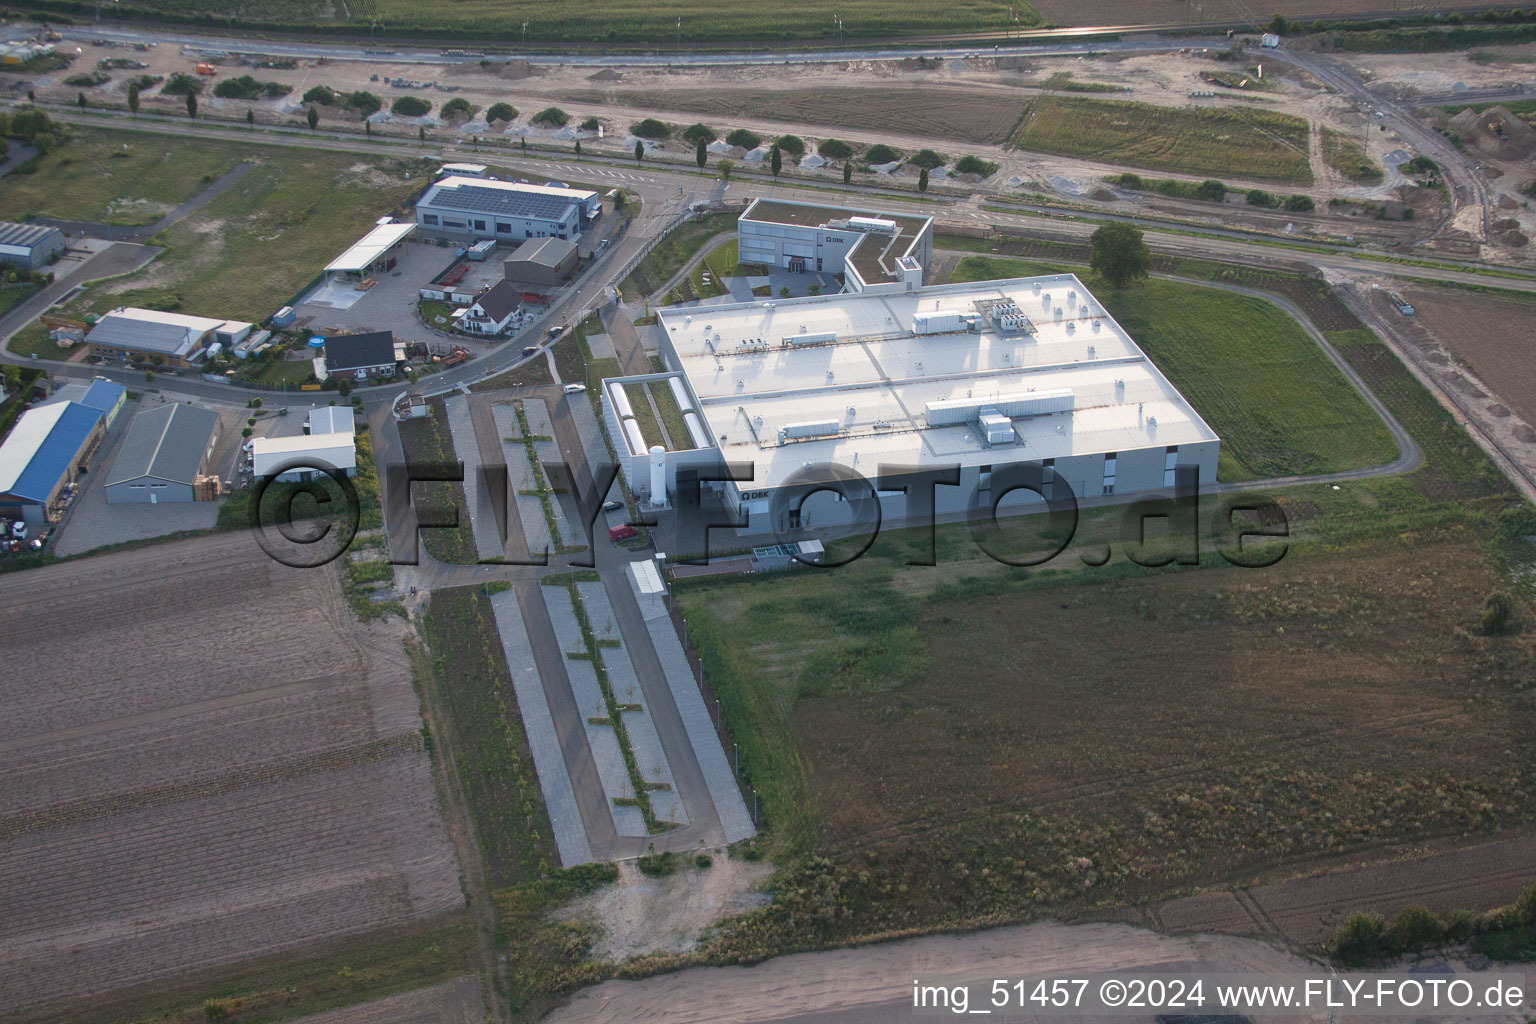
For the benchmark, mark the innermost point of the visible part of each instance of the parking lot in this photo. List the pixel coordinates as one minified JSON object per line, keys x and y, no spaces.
{"x":390,"y":305}
{"x":91,"y":523}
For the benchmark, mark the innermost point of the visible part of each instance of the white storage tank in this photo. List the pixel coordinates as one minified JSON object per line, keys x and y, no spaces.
{"x":658,"y":475}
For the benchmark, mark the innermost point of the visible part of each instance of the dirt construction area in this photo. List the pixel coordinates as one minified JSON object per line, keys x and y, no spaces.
{"x":203,"y":759}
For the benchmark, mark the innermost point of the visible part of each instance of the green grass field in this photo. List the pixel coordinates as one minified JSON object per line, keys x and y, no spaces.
{"x":1280,"y":406}
{"x":629,"y":21}
{"x":672,"y":252}
{"x":116,"y":177}
{"x":1237,"y":142}
{"x":1346,"y":154}
{"x":250,"y":250}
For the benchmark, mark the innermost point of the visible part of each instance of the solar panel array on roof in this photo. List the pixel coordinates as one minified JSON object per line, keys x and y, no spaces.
{"x":500,"y":202}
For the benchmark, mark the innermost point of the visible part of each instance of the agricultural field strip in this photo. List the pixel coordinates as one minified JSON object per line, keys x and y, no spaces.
{"x":529,"y":509}
{"x":601,"y":737}
{"x":310,"y":771}
{"x":539,"y":726}
{"x":650,"y":758}
{"x":735,"y":819}
{"x":478,"y":504}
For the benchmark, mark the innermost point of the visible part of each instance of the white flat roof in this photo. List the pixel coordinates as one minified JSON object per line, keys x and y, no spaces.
{"x":336,"y":450}
{"x":31,"y":430}
{"x":370,"y":247}
{"x":876,"y":378}
{"x":197,"y":324}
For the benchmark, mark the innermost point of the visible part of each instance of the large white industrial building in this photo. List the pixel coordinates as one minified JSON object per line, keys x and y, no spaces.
{"x":975,"y":376}
{"x":875,"y":252}
{"x":465,"y":208}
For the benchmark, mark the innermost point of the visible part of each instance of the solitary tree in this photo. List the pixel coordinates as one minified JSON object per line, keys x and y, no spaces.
{"x":700,"y":153}
{"x":367,"y":127}
{"x":313,"y":117}
{"x":250,"y":117}
{"x":1277,"y":25}
{"x":133,"y":98}
{"x":191,"y":104}
{"x":421,"y":133}
{"x":578,"y":147}
{"x":80,"y":99}
{"x":639,"y":151}
{"x":847,"y":172}
{"x":1119,"y":254}
{"x":922,"y":180}
{"x":725,"y":167}
{"x":776,"y":161}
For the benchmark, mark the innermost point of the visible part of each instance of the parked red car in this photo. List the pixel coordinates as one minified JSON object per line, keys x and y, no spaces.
{"x":624,"y":532}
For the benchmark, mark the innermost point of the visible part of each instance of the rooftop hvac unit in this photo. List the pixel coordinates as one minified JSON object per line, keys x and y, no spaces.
{"x":680,"y":393}
{"x":810,"y":428}
{"x":620,"y":401}
{"x":810,"y":338}
{"x":936,"y":321}
{"x":1027,"y":403}
{"x":696,"y":430}
{"x":871,"y":224}
{"x":997,"y":427}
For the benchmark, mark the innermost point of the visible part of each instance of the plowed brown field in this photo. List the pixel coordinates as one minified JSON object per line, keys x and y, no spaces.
{"x":203,"y":758}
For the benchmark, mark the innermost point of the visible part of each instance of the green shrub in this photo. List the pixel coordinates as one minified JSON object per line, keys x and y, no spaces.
{"x":411,"y":106}
{"x":1213,"y":191}
{"x":880,"y":153}
{"x":927,"y":159}
{"x":182,"y":85}
{"x":1298,"y":204}
{"x":703,"y":860}
{"x":501,"y":112}
{"x":324,"y":95}
{"x":1361,"y":940}
{"x":1258,"y":197}
{"x":1415,"y":928}
{"x":695,"y":133}
{"x":1460,"y":926}
{"x":794,"y":145}
{"x":456,"y":106}
{"x":975,"y":165}
{"x":1498,"y":616}
{"x":551,"y":117}
{"x":247,"y":88}
{"x":1523,"y":911}
{"x":744,"y":138}
{"x":657,"y":864}
{"x":835,"y":149}
{"x":650,"y":128}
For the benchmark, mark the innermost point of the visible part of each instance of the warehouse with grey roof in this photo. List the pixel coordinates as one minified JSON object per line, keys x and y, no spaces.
{"x":29,"y":245}
{"x":164,"y":456}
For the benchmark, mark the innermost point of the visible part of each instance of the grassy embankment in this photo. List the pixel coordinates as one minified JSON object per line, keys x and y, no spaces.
{"x":1255,"y":144}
